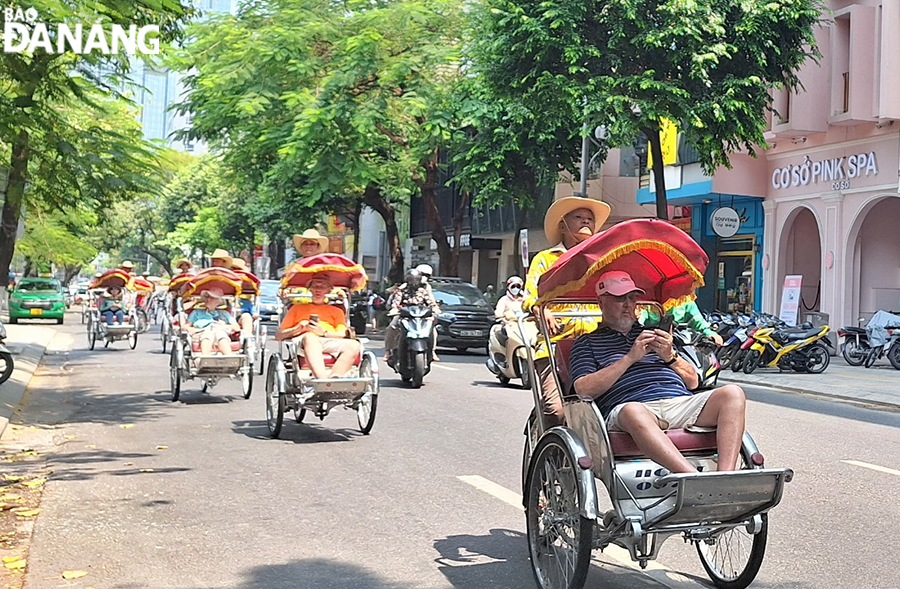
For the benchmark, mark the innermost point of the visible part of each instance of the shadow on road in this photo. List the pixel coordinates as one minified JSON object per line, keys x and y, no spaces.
{"x":317,"y":573}
{"x":497,"y":560}
{"x":298,"y":433}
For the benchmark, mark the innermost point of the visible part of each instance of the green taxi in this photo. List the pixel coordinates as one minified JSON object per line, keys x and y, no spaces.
{"x":37,"y":298}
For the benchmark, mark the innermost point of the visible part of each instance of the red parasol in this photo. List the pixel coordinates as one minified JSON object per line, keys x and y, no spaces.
{"x":222,"y":278}
{"x":182,"y":279}
{"x":249,"y":282}
{"x":141,"y":284}
{"x":342,"y":271}
{"x":114,"y":277}
{"x":661,"y":259}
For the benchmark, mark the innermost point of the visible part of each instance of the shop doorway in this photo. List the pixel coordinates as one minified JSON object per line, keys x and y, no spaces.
{"x":735,"y":269}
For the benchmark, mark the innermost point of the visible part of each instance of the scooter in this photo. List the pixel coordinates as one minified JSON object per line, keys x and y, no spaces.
{"x":700,"y":352}
{"x":507,"y":356}
{"x":855,"y":345}
{"x":412,"y":358}
{"x":789,"y":350}
{"x":6,"y":359}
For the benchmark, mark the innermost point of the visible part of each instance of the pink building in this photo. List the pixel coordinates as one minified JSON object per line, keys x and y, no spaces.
{"x":823,"y":202}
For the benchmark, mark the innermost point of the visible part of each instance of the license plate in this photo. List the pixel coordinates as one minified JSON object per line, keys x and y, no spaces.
{"x":471,"y":333}
{"x":37,"y":311}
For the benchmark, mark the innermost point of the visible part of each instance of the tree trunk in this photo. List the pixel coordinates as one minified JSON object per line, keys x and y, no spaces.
{"x":662,"y":205}
{"x":357,"y":213}
{"x":163,"y":258}
{"x":12,"y":207}
{"x":449,"y":264}
{"x":376,"y":201}
{"x":458,"y":217}
{"x":70,"y":272}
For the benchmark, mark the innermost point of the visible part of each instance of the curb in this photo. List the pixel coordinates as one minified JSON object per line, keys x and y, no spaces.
{"x":894,"y":407}
{"x":26,"y":359}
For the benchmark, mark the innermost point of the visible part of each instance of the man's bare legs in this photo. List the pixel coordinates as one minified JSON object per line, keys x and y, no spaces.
{"x":312,"y":350}
{"x":346,"y":358}
{"x":643,"y":426}
{"x":725,"y":410}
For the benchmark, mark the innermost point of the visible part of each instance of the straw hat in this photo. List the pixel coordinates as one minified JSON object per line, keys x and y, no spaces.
{"x":127,"y":264}
{"x":220,"y":254}
{"x":181,"y":262}
{"x":566,"y":205}
{"x":239,"y":264}
{"x":311,"y":235}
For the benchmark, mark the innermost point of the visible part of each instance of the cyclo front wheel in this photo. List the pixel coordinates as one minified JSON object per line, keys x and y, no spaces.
{"x":368,"y":404}
{"x":275,"y":402}
{"x":559,"y":537}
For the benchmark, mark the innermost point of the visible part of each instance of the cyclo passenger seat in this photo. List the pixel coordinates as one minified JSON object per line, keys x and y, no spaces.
{"x":623,"y":446}
{"x":235,"y":343}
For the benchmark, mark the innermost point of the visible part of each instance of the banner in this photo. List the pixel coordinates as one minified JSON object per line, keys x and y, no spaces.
{"x":668,"y":142}
{"x":790,"y":299}
{"x":523,"y":247}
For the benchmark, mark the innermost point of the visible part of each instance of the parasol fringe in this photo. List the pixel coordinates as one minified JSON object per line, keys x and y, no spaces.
{"x":286,"y":279}
{"x":620,"y":251}
{"x":210,"y":278}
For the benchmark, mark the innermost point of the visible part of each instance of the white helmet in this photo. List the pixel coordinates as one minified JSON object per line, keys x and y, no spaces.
{"x":425,"y":270}
{"x":514,"y":280}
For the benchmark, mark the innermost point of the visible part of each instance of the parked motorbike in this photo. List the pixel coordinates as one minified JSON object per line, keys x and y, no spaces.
{"x":6,"y":359}
{"x":883,"y":337}
{"x":412,"y":358}
{"x":507,"y":357}
{"x":855,"y":345}
{"x":801,"y":351}
{"x":700,"y":352}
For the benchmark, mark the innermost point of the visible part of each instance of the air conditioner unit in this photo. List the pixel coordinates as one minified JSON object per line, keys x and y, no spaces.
{"x":494,"y":254}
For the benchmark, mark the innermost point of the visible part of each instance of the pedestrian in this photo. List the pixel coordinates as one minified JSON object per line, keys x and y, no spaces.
{"x":490,"y":295}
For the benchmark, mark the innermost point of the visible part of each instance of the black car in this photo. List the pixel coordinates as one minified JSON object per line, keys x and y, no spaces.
{"x":466,"y":316}
{"x":270,"y":305}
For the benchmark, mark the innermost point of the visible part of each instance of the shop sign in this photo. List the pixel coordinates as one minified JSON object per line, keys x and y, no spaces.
{"x":837,"y":170}
{"x":465,"y":240}
{"x":790,"y":299}
{"x":725,"y":221}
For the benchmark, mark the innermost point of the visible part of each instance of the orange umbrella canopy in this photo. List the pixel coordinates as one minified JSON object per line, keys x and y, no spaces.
{"x":249,"y":282}
{"x":662,"y":260}
{"x":342,"y":271}
{"x":114,"y":277}
{"x":221,"y":278}
{"x":142,"y":284}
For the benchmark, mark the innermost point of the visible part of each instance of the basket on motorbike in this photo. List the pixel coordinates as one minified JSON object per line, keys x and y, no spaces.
{"x":290,"y":384}
{"x":566,"y":468}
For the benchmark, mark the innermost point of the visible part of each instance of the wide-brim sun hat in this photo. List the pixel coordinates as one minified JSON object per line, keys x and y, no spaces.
{"x":182,"y":262}
{"x":220,"y":254}
{"x":311,"y":235}
{"x":566,"y":205}
{"x":239,"y":264}
{"x":215,"y":293}
{"x":127,"y":264}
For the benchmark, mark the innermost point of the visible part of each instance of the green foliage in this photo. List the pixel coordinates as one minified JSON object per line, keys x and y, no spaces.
{"x":58,"y":239}
{"x":629,"y":63}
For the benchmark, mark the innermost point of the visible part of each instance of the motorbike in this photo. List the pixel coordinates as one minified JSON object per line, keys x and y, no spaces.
{"x":700,"y":352}
{"x":854,"y":345}
{"x":507,"y":356}
{"x":412,"y":358}
{"x":6,"y":360}
{"x":883,"y":338}
{"x":800,"y":351}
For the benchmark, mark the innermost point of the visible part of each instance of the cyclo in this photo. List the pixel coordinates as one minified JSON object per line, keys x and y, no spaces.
{"x":186,"y":362}
{"x":97,"y":328}
{"x":586,"y":487}
{"x":290,"y":384}
{"x":259,"y":335}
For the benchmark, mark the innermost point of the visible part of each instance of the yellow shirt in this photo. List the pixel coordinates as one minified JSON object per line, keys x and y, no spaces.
{"x":571,"y":326}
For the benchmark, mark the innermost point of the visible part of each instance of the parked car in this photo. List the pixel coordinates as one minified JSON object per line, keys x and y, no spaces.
{"x":466,"y":316}
{"x":37,"y":298}
{"x":270,"y":306}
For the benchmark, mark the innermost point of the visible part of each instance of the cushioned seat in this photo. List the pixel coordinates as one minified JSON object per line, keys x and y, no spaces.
{"x":803,"y":334}
{"x":235,"y":346}
{"x":623,"y":445}
{"x":329,"y":360}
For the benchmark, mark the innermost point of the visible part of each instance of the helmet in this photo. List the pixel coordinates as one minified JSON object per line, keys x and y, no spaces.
{"x":425,"y":270}
{"x":413,"y":277}
{"x":514,"y":280}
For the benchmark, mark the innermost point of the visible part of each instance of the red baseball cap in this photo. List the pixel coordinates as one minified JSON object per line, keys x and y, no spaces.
{"x":616,"y":283}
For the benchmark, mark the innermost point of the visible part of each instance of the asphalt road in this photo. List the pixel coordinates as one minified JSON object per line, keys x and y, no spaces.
{"x":195,"y":495}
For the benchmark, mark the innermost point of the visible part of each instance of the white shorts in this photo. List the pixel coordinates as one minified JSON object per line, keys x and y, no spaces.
{"x":330,"y":345}
{"x":673,"y":413}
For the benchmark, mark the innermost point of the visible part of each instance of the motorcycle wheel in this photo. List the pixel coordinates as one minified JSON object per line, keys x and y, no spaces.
{"x":6,"y":366}
{"x":737,"y":362}
{"x":504,"y":380}
{"x":524,"y":372}
{"x":870,"y":358}
{"x":725,"y":356}
{"x":751,"y":361}
{"x":894,"y":355}
{"x":853,"y":353}
{"x":818,"y":359}
{"x":418,"y":373}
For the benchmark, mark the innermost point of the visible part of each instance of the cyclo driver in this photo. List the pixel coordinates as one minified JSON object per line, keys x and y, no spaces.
{"x":413,"y":292}
{"x":319,"y":328}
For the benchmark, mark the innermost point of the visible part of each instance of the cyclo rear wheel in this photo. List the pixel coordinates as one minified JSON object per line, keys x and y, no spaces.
{"x":368,"y":404}
{"x":275,"y":402}
{"x":894,"y":354}
{"x":559,"y":537}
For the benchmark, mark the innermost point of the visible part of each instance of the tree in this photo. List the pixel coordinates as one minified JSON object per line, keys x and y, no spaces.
{"x":61,"y":240}
{"x":629,"y":64}
{"x":41,"y":95}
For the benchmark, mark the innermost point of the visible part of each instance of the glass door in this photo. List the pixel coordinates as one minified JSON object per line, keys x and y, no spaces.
{"x":735,"y":271}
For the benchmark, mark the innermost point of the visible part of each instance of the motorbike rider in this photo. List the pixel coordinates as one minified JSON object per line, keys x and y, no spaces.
{"x":509,"y":306}
{"x":413,"y":292}
{"x":427,"y":271}
{"x":568,"y":222}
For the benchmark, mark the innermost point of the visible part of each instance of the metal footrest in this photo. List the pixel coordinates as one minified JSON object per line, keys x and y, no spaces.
{"x":214,"y":364}
{"x":719,"y":497}
{"x":337,"y":390}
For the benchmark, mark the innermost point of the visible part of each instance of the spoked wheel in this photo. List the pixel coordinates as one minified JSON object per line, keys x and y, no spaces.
{"x":894,"y":355}
{"x":559,"y":537}
{"x":853,"y":353}
{"x":368,"y":404}
{"x":818,"y":359}
{"x":299,"y":414}
{"x":175,"y":374}
{"x":247,"y":382}
{"x":274,"y":400}
{"x":751,"y":361}
{"x":91,"y":335}
{"x":132,"y":338}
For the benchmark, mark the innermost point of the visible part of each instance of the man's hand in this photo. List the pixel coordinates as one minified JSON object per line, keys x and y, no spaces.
{"x":641,"y":345}
{"x":662,"y":344}
{"x":553,"y":324}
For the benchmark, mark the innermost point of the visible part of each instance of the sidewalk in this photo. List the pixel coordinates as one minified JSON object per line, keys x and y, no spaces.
{"x":27,"y":344}
{"x":879,"y":384}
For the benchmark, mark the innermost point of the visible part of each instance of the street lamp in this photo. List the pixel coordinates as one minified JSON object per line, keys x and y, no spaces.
{"x":598,"y":141}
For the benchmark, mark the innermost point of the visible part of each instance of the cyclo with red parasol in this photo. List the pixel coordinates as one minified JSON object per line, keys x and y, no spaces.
{"x":97,"y":328}
{"x":143,"y":289}
{"x":290,"y":383}
{"x":586,"y":487}
{"x":258,"y":337}
{"x":186,"y":361}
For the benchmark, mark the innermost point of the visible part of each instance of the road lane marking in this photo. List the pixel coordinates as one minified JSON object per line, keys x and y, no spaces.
{"x":655,"y":570}
{"x":872,"y":467}
{"x":444,"y":367}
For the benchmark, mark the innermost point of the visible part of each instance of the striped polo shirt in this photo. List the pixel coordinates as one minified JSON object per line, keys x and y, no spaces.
{"x":646,"y":380}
